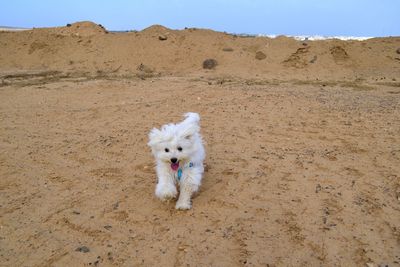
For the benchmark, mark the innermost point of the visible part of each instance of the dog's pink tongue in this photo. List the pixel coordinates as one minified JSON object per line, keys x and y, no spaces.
{"x":175,"y":166}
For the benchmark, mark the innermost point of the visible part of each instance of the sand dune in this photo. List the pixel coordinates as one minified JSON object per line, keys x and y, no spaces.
{"x":302,"y":140}
{"x":87,"y":47}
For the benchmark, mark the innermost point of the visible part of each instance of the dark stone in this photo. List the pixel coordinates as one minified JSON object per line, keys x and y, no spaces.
{"x":69,"y":25}
{"x":398,"y":51}
{"x":162,"y":37}
{"x":83,"y":249}
{"x":209,"y":63}
{"x":260,"y":55}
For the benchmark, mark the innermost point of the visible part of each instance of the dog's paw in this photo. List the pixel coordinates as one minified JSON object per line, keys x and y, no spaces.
{"x":166,"y":192}
{"x":183,"y":205}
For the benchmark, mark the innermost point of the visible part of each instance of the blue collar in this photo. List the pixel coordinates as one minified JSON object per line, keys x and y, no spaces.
{"x":179,"y":173}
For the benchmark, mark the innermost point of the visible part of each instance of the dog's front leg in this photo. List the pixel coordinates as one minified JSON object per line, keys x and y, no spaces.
{"x":166,"y":189}
{"x":189,"y":185}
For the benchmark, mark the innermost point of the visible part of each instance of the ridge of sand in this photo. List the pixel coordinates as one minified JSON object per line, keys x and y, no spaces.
{"x":85,"y":47}
{"x":82,"y":28}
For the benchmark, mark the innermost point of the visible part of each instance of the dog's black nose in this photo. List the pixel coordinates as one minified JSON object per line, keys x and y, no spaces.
{"x":174,"y":160}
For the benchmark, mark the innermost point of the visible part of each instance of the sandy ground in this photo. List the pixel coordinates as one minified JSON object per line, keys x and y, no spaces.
{"x":300,"y":171}
{"x":297,"y":175}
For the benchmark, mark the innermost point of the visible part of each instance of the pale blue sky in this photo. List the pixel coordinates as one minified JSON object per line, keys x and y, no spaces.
{"x":291,"y":17}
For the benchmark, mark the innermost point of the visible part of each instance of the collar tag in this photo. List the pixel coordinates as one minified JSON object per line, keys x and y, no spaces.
{"x":179,"y":172}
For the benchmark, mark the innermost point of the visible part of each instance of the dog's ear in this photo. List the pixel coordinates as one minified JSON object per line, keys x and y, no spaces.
{"x":189,"y":131}
{"x":154,"y":137}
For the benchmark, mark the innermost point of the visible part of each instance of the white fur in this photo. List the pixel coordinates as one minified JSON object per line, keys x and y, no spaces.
{"x":186,"y":135}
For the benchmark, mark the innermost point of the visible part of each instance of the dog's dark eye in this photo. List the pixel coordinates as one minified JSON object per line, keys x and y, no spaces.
{"x":179,"y":148}
{"x":167,"y":150}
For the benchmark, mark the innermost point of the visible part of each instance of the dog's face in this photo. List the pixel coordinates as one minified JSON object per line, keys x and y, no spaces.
{"x":174,"y":144}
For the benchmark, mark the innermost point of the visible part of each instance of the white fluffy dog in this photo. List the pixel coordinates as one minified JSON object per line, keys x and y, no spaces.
{"x":179,"y":153}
